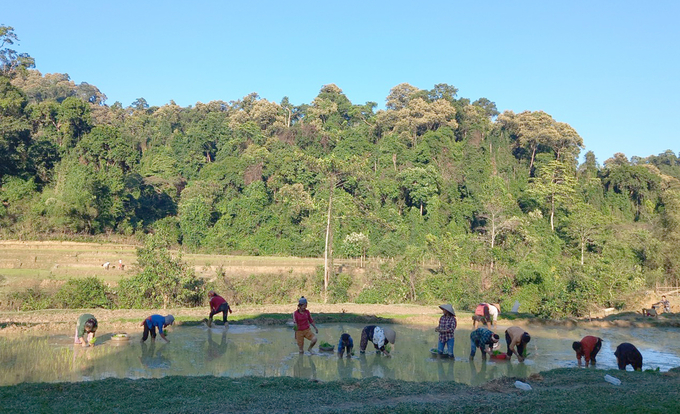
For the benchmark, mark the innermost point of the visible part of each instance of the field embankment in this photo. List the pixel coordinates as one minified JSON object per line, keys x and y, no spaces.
{"x":556,"y":391}
{"x":63,"y":320}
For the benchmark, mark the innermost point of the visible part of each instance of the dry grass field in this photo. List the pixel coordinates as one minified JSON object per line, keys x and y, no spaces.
{"x":31,"y":264}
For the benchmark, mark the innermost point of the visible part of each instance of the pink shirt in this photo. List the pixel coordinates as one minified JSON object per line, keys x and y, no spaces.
{"x":302,"y":319}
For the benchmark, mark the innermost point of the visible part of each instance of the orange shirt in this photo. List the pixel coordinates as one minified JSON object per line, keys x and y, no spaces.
{"x":587,"y":345}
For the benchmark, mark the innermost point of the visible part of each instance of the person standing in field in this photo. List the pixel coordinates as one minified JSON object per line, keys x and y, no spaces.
{"x":446,"y":329}
{"x":517,"y":339}
{"x":156,"y":321}
{"x":302,"y":320}
{"x":587,"y":349}
{"x":218,"y":304}
{"x":86,"y":327}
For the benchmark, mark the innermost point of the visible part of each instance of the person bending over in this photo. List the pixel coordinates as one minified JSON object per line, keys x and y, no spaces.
{"x":587,"y":349}
{"x":345,"y":345}
{"x":156,"y":321}
{"x":516,"y":339}
{"x":481,"y":315}
{"x":628,"y":354}
{"x":86,"y":328}
{"x":218,"y":304}
{"x":483,"y":339}
{"x":380,"y":337}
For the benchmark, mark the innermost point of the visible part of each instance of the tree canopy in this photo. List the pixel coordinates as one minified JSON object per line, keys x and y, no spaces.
{"x":498,"y":200}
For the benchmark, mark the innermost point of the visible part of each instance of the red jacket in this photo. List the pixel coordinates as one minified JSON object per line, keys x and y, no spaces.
{"x":216,"y":301}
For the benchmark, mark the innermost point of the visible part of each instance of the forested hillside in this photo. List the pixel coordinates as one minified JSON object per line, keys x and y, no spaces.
{"x":497,"y":200}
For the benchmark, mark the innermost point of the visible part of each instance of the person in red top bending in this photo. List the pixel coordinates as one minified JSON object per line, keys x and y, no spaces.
{"x":481,"y":316}
{"x":218,"y":304}
{"x":302,"y":320}
{"x":587,"y":348}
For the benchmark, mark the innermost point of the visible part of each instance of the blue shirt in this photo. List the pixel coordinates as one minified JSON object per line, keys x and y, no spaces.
{"x":340,"y":344}
{"x":156,"y":320}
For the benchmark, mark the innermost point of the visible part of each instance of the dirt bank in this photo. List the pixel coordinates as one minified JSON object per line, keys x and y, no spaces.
{"x":62,"y":320}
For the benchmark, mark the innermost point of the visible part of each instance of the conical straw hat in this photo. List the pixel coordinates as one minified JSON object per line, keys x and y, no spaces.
{"x":447,"y":307}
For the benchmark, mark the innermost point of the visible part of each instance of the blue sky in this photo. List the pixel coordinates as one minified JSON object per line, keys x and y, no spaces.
{"x":610,"y":69}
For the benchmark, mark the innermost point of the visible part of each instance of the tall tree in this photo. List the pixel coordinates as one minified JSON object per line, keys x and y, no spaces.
{"x":497,"y":203}
{"x":400,"y":96}
{"x":583,"y":225}
{"x":11,"y":61}
{"x":14,"y":129}
{"x":555,"y":184}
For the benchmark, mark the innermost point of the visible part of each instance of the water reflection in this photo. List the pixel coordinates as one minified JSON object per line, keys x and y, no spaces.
{"x":83,"y":363}
{"x":304,"y":367}
{"x":345,"y":367}
{"x":271,"y":351}
{"x":215,"y":350}
{"x":376,"y":365}
{"x":445,"y":369}
{"x":153,"y":358}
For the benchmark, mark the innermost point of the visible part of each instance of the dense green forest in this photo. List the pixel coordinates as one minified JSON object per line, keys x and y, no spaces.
{"x":497,"y":201}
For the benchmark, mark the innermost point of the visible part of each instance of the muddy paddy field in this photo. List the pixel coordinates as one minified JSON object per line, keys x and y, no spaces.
{"x":253,"y":366}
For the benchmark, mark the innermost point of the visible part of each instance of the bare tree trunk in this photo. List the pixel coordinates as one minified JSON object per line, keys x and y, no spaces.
{"x":326,"y":254}
{"x":493,"y":238}
{"x":552,"y":213}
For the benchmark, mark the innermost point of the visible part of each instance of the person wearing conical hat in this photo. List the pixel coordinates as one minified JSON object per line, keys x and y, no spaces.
{"x":446,"y":329}
{"x":380,"y":337}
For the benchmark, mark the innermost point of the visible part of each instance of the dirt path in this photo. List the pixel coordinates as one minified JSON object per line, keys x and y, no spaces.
{"x":63,"y":320}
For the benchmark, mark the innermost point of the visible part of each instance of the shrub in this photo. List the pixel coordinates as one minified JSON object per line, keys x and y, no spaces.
{"x":370,"y":295}
{"x":163,"y":281}
{"x":30,"y":299}
{"x":259,"y":289}
{"x":83,"y":293}
{"x":338,"y":290}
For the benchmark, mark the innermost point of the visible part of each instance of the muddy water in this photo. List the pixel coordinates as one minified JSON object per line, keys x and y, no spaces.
{"x":271,"y":351}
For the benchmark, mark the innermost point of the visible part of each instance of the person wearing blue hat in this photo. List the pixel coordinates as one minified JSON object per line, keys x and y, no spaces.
{"x":302,"y":320}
